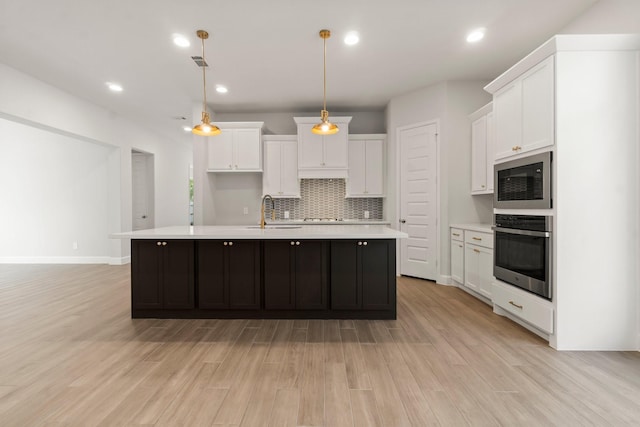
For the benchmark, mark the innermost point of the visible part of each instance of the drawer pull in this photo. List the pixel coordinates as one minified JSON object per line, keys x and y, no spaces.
{"x":476,"y":238}
{"x":460,"y":246}
{"x":359,"y":243}
{"x":225,"y":243}
{"x":293,"y":243}
{"x":158,"y":243}
{"x":364,"y":243}
{"x":476,"y":250}
{"x":164,"y":243}
{"x":515,"y":305}
{"x":230,"y":243}
{"x":297,"y":243}
{"x":456,"y":234}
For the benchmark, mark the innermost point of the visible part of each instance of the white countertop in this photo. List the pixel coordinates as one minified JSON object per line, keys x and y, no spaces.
{"x":350,"y":231}
{"x":483,"y":228}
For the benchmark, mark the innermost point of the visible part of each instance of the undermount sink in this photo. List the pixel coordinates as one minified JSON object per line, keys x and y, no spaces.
{"x":276,"y":226}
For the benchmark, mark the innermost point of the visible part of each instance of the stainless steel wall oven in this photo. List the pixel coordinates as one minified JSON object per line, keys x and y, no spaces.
{"x":522,"y":252}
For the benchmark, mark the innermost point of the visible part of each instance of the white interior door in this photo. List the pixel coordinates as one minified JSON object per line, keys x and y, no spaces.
{"x":142,"y":190}
{"x":418,"y":201}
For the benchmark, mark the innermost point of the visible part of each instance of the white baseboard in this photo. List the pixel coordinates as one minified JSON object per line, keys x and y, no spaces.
{"x":120,"y":261}
{"x":55,"y":260}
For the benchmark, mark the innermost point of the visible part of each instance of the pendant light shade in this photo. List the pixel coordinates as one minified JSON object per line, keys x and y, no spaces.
{"x":325,"y":127}
{"x":205,"y":128}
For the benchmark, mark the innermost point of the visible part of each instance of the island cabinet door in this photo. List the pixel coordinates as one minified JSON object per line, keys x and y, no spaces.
{"x":212,"y":289}
{"x":346,"y":289}
{"x":311,"y":274}
{"x":362,"y":274}
{"x":279,"y":276}
{"x":177,"y":274}
{"x":243,"y":260}
{"x":377,"y":264}
{"x":146,"y":284}
{"x":229,"y":274}
{"x":162,"y":274}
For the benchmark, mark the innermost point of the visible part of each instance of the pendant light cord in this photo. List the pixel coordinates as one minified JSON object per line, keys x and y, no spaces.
{"x":324,"y":79}
{"x":204,"y":80}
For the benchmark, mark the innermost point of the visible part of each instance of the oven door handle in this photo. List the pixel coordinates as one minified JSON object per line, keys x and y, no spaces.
{"x":522,"y":232}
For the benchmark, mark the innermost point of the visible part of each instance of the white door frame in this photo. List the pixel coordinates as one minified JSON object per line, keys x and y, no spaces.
{"x":399,"y":129}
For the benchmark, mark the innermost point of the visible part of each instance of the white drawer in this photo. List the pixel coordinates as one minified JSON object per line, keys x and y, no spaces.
{"x":457,"y":234}
{"x":531,"y":309}
{"x":478,"y":238}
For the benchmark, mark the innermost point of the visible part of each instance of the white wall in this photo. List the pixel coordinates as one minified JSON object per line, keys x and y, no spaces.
{"x":43,"y":115}
{"x":450,"y":103}
{"x":607,"y":17}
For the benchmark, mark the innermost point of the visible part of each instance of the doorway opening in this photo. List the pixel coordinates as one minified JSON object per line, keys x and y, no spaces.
{"x":142,"y":194}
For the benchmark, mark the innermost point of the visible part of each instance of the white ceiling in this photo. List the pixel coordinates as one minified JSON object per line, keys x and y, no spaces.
{"x":268,"y":53}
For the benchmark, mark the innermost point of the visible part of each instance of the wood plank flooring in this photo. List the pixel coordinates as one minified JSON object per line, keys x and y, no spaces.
{"x":70,"y":355}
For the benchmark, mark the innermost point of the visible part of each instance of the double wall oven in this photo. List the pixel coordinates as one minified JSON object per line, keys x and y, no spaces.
{"x":522,"y":241}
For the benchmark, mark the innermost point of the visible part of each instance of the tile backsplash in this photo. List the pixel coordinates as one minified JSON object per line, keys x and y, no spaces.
{"x":324,"y":198}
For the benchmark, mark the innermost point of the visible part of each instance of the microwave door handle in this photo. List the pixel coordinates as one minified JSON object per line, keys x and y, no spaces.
{"x":523,"y":232}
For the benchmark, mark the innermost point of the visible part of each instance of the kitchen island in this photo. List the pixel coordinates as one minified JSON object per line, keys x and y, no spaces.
{"x":281,"y":271}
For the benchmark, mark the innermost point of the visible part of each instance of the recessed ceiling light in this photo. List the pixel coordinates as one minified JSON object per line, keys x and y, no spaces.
{"x":475,"y":35}
{"x":186,"y":129}
{"x":221,"y":89}
{"x":181,"y":40}
{"x":114,"y":87}
{"x":351,"y":38}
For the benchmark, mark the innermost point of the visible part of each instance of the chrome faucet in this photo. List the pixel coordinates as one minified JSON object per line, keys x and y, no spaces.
{"x":262,"y":207}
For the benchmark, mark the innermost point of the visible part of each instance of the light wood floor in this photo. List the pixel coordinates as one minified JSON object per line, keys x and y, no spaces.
{"x":71,"y":355}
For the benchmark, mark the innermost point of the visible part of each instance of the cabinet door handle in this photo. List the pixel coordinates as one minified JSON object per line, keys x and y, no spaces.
{"x":297,"y":243}
{"x":515,"y":305}
{"x":476,"y":238}
{"x":293,"y":243}
{"x":456,"y":234}
{"x":230,"y":243}
{"x":359,"y":243}
{"x":476,"y":251}
{"x":364,"y":243}
{"x":164,"y":243}
{"x":229,"y":166}
{"x":158,"y":243}
{"x":236,"y":166}
{"x":225,"y":243}
{"x":459,"y":246}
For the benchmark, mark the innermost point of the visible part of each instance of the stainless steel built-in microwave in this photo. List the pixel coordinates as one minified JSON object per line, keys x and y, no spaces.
{"x":523,"y":183}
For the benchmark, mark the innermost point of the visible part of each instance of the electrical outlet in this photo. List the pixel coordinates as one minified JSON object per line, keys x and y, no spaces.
{"x":245,"y":210}
{"x":286,"y":214}
{"x":366,"y":214}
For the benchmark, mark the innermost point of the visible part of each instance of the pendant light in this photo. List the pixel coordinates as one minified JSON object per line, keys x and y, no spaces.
{"x":325,"y":127}
{"x":205,"y":128}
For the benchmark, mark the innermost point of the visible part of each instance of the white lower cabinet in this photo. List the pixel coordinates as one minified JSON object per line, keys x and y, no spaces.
{"x":472,"y":259}
{"x":527,"y":307}
{"x":457,"y":255}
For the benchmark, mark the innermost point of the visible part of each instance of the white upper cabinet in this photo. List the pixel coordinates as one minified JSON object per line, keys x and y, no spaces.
{"x":280,"y":177}
{"x":524,"y":111}
{"x":482,"y":155}
{"x":237,"y":149}
{"x":322,"y":156}
{"x":366,"y":166}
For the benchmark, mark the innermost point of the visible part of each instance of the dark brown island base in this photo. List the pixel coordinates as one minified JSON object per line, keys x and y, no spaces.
{"x":266,"y":275}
